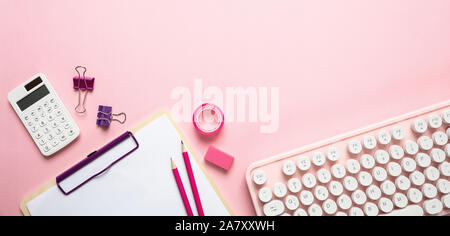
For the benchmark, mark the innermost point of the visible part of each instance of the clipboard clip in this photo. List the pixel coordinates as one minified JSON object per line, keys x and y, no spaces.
{"x":66,"y":190}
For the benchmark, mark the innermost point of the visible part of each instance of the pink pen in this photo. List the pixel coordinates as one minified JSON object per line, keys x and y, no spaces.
{"x":187,"y":162}
{"x":181,"y":189}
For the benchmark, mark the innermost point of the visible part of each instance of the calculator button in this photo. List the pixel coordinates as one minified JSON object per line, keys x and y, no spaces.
{"x":46,"y":104}
{"x":49,"y":109}
{"x":40,"y":109}
{"x":62,"y":119}
{"x":30,"y":123}
{"x":46,"y":130}
{"x":26,"y":118}
{"x":33,"y":113}
{"x":66,"y":126}
{"x":63,"y":137}
{"x":55,"y":106}
{"x":58,"y":112}
{"x":47,"y":148}
{"x":39,"y":135}
{"x":52,"y":100}
{"x":34,"y":129}
{"x":50,"y":137}
{"x":72,"y":132}
{"x":55,"y":143}
{"x":50,"y":117}
{"x":42,"y":142}
{"x":58,"y":131}
{"x":42,"y":123}
{"x":36,"y":119}
{"x":54,"y":124}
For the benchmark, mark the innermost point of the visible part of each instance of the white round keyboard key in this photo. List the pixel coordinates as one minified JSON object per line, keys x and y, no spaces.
{"x":273,"y":208}
{"x":371,"y":209}
{"x":355,"y":211}
{"x":398,"y":133}
{"x":385,"y":205}
{"x":402,"y":183}
{"x":408,"y":164}
{"x":291,"y":202}
{"x":388,"y":187}
{"x":447,"y":150}
{"x":306,"y":198}
{"x":379,"y":174}
{"x":419,"y":126}
{"x":411,"y":147}
{"x":437,"y":155}
{"x":440,"y":138}
{"x":318,"y":159}
{"x":309,"y":180}
{"x":333,"y":154}
{"x":300,"y":212}
{"x":344,"y":202}
{"x":423,"y":160}
{"x":315,"y":210}
{"x":369,"y":142}
{"x":373,"y":192}
{"x":359,"y":197}
{"x":400,"y":200}
{"x":350,"y":183}
{"x":335,"y":188}
{"x":324,"y":176}
{"x":433,"y":207}
{"x":289,"y":168}
{"x":279,"y":190}
{"x":417,"y":178}
{"x":443,"y":186}
{"x":396,"y":152}
{"x":365,"y":179}
{"x":425,"y":143}
{"x":432,"y":173}
{"x":382,"y":157}
{"x":294,"y":185}
{"x":394,"y":169}
{"x":435,"y":121}
{"x":321,"y":193}
{"x":329,"y":206}
{"x":429,"y":191}
{"x":446,"y":201}
{"x":414,"y":195}
{"x":446,"y":117}
{"x":353,"y":166}
{"x":265,"y":195}
{"x":340,"y":213}
{"x":384,"y":137}
{"x":367,"y":161}
{"x":303,"y":163}
{"x":259,"y":177}
{"x":338,"y":171}
{"x":354,"y":147}
{"x":445,"y":169}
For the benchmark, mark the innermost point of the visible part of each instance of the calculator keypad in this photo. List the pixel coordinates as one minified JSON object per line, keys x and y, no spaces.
{"x":48,"y":124}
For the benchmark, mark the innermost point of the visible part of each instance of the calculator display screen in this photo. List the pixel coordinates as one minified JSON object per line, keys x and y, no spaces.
{"x":33,"y":97}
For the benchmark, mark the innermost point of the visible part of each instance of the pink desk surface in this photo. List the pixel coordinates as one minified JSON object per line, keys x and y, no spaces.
{"x":340,"y":65}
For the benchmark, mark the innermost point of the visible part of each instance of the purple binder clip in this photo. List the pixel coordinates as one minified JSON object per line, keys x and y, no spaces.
{"x":105,"y":116}
{"x":66,"y":189}
{"x":82,"y":83}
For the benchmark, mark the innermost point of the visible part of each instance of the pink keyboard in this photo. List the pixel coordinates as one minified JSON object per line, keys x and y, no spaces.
{"x":397,"y":167}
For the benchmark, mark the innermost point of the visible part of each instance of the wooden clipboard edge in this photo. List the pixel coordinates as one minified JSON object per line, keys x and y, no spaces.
{"x":145,"y":122}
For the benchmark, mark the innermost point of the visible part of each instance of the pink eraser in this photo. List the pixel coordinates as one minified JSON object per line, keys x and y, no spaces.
{"x":219,"y":158}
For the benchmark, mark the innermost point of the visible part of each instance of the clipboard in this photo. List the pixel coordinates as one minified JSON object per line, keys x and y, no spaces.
{"x":128,"y":154}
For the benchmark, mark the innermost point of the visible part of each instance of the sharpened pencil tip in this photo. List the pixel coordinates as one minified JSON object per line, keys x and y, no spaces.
{"x":173,"y":164}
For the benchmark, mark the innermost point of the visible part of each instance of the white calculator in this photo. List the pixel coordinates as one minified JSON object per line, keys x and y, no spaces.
{"x":43,"y":114}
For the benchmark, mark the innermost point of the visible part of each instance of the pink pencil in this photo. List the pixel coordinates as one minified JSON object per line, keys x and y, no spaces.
{"x":187,"y":162}
{"x":181,"y":189}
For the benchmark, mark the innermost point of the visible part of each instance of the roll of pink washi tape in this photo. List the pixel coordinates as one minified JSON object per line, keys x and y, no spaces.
{"x":208,"y":119}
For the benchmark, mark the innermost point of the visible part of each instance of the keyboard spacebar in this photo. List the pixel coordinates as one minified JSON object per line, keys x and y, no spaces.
{"x":412,"y":210}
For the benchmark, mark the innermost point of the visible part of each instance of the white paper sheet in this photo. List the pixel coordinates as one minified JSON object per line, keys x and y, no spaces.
{"x":140,"y":184}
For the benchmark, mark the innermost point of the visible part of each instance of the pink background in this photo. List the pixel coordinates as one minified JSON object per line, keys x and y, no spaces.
{"x":340,"y":65}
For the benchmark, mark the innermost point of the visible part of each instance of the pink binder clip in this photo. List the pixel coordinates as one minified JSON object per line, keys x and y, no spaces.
{"x":82,"y":83}
{"x":105,"y":116}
